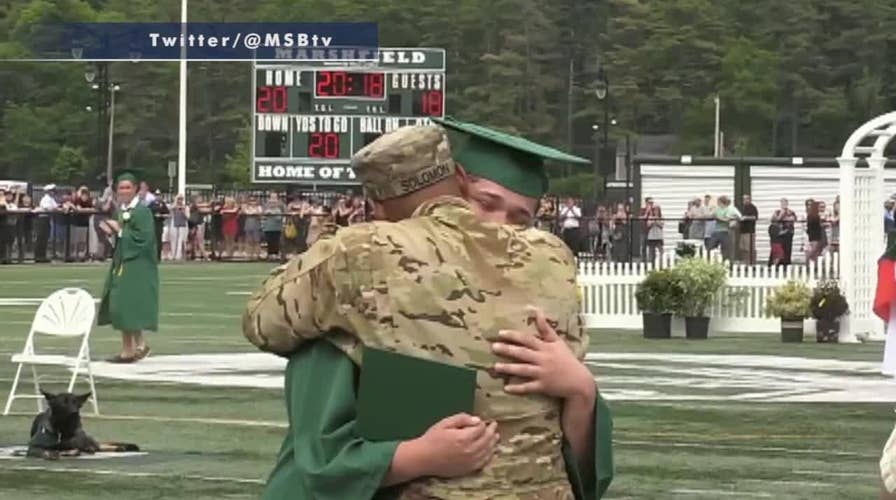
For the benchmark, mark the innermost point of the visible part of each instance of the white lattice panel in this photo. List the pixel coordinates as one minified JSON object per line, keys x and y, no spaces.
{"x":867,"y":223}
{"x":862,"y":188}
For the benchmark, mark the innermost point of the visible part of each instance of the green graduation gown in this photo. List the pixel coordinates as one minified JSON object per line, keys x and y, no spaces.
{"x":323,"y":458}
{"x":131,"y":294}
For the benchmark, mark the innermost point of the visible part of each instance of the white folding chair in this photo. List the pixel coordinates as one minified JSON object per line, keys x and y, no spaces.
{"x":66,"y":313}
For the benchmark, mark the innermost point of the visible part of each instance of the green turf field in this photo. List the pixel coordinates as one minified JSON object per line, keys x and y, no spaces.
{"x":692,"y":419}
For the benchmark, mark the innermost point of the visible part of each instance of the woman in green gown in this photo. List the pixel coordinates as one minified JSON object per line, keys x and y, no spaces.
{"x":131,"y":295}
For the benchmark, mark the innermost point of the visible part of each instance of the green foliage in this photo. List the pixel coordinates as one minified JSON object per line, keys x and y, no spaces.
{"x":701,"y":281}
{"x":69,"y":166}
{"x":577,"y":186}
{"x":827,"y":302}
{"x":238,"y":166}
{"x":790,"y":301}
{"x":685,"y":250}
{"x":793,"y":77}
{"x":660,"y":292}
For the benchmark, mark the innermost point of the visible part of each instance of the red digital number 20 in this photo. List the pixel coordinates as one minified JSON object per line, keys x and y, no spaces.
{"x":271,"y":100}
{"x":323,"y":145}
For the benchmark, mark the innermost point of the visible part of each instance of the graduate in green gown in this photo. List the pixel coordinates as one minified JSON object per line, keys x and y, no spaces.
{"x":322,"y":456}
{"x":131,"y":294}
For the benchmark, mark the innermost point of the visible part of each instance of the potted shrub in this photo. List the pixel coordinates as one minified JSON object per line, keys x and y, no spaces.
{"x":657,"y":297}
{"x":790,"y":302}
{"x":684,"y":250}
{"x":827,"y":306}
{"x":700,"y":281}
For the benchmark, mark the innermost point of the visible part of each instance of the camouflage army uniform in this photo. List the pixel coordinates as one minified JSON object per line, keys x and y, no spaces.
{"x":439,"y":285}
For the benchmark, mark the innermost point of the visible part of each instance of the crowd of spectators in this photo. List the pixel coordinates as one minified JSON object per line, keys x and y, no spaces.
{"x":617,"y":232}
{"x":64,"y":225}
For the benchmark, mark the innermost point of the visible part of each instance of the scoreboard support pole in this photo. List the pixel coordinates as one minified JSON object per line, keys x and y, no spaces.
{"x":182,"y":112}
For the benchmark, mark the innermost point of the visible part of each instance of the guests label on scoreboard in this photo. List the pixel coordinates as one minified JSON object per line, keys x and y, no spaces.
{"x":274,"y":172}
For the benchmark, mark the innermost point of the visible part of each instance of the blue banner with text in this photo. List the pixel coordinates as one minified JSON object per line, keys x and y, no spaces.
{"x":204,"y":41}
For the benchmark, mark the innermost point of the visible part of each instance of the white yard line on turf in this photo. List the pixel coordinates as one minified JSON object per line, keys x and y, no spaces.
{"x":183,"y":420}
{"x":772,"y":449}
{"x":205,"y":315}
{"x":67,"y":280}
{"x":195,"y":279}
{"x":194,"y":420}
{"x":785,"y":482}
{"x":724,"y":493}
{"x":833,"y":474}
{"x":104,"y":472}
{"x":239,"y":293}
{"x":26,"y":301}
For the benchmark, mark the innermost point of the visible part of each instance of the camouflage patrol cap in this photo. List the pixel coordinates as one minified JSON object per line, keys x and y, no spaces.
{"x":403,"y":161}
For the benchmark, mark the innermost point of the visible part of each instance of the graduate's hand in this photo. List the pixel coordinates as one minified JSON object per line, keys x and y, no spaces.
{"x":546,"y":365}
{"x":458,"y":445}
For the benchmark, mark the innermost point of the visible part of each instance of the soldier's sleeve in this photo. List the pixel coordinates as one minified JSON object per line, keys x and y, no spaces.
{"x":576,"y":335}
{"x":298,"y":301}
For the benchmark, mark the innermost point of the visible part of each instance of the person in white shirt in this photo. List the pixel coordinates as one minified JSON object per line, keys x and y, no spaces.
{"x":570,"y":216}
{"x":8,"y":220}
{"x":47,"y":205}
{"x":145,"y":195}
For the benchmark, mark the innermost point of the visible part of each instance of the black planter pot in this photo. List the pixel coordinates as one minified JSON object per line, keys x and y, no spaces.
{"x":827,"y":330}
{"x":696,"y":328}
{"x":657,"y":326}
{"x":791,"y":329}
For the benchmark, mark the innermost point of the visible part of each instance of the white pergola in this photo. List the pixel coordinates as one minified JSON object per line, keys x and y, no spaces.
{"x":862,"y":239}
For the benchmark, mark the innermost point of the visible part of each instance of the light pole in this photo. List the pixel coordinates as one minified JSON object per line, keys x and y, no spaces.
{"x":716,"y":136}
{"x":112,"y":89}
{"x":99,"y":73}
{"x":182,"y":108}
{"x":602,"y":152}
{"x":602,"y":92}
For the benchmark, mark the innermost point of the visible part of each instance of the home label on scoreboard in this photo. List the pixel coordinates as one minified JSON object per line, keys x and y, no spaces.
{"x":310,"y":117}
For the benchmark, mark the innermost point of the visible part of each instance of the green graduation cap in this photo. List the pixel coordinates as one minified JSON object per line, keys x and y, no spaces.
{"x":511,"y":161}
{"x":126,"y":175}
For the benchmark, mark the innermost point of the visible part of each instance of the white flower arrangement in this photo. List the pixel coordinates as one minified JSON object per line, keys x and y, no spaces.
{"x":126,"y":216}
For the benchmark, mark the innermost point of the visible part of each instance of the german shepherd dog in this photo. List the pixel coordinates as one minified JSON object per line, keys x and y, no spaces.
{"x":57,"y":431}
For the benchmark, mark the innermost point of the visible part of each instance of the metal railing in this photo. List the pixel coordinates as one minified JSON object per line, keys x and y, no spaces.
{"x":75,"y":236}
{"x":27,"y":235}
{"x":636,"y":239}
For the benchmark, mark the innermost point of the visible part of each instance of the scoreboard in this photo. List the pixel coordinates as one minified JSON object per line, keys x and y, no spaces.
{"x":310,"y":117}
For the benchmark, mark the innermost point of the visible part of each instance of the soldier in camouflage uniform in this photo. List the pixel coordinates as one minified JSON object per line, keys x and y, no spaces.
{"x":432,"y":286}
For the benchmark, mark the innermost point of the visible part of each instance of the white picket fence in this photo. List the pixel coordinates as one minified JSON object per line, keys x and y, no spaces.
{"x":608,"y":293}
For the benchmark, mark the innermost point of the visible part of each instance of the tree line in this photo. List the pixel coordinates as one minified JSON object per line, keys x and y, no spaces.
{"x":793,"y":78}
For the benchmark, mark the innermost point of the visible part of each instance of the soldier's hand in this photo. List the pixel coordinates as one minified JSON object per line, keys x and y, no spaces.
{"x":459,"y":445}
{"x":546,"y":365}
